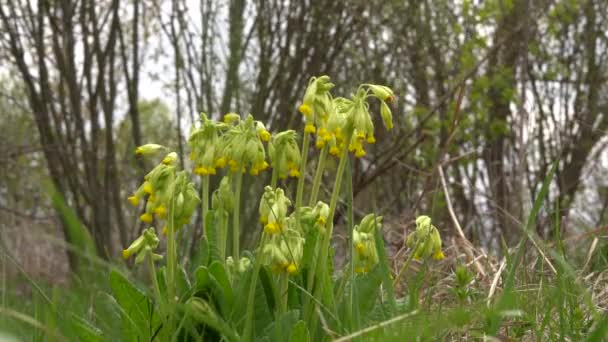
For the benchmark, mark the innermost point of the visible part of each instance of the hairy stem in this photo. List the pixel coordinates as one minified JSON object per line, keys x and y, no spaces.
{"x":316,"y":184}
{"x":236,"y":213}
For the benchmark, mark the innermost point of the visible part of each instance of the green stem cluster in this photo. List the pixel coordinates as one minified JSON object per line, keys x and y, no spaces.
{"x":316,"y":184}
{"x":205,"y":204}
{"x":300,"y":189}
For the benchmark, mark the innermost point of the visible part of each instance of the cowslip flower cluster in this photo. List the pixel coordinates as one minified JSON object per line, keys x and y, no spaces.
{"x":285,"y":154}
{"x":341,"y":120}
{"x":315,"y":217}
{"x":157,"y":186}
{"x":425,"y":240}
{"x":284,"y":243}
{"x":205,"y":145}
{"x":364,"y":243}
{"x":273,"y":210}
{"x":242,"y":144}
{"x":143,"y":246}
{"x":170,"y":196}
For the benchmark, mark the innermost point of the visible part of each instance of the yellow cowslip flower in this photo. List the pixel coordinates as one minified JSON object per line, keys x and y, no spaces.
{"x":310,"y":128}
{"x":160,"y":211}
{"x":234,"y":165}
{"x":360,"y":248}
{"x":262,"y":132}
{"x":265,"y":135}
{"x":383,"y":93}
{"x":170,"y":159}
{"x":294,"y":173}
{"x":146,"y":217}
{"x":334,"y":151}
{"x":134,"y":200}
{"x":291,"y":269}
{"x":220,"y":163}
{"x":425,"y":240}
{"x":148,"y":149}
{"x":231,"y":118}
{"x":148,"y":188}
{"x":360,"y":153}
{"x":272,"y":228}
{"x":305,"y":109}
{"x":320,"y":143}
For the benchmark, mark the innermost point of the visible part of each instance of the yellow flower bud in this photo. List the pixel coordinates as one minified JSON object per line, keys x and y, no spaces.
{"x":371,"y":139}
{"x":160,"y":211}
{"x":220,"y":162}
{"x":148,"y":149}
{"x":134,"y":200}
{"x":310,"y":128}
{"x":126,"y":254}
{"x":291,"y":269}
{"x":360,"y":153}
{"x":265,"y":135}
{"x":294,"y":173}
{"x":170,"y":158}
{"x":334,"y":151}
{"x":360,"y":248}
{"x":305,"y":109}
{"x":272,"y":228}
{"x":148,"y":188}
{"x":234,"y":165}
{"x":201,"y":171}
{"x":231,"y":118}
{"x":146,"y":217}
{"x":387,"y":116}
{"x":320,"y":144}
{"x":382,"y":92}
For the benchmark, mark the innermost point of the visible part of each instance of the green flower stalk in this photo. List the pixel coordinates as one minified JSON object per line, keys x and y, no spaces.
{"x":223,"y":204}
{"x":243,"y":149}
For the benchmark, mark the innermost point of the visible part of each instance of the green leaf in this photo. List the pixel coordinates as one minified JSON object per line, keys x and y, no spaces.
{"x":280,"y":330}
{"x":183,"y":283}
{"x":202,"y":278}
{"x":385,"y":269}
{"x":203,"y":312}
{"x":136,"y":307}
{"x":221,"y":285}
{"x":300,"y":332}
{"x":211,"y":228}
{"x":84,"y":329}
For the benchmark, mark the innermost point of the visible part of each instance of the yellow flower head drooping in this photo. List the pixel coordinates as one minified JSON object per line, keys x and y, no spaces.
{"x":243,"y":146}
{"x":149,"y":149}
{"x":425,"y":240}
{"x":365,"y":255}
{"x":273,"y":210}
{"x":283,"y":253}
{"x":143,"y":246}
{"x":170,"y":159}
{"x":284,"y":154}
{"x":205,"y":143}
